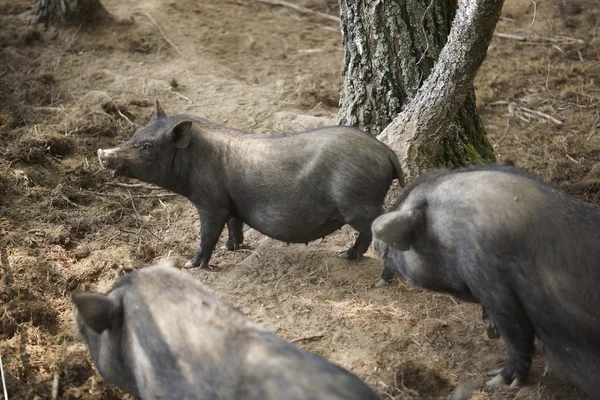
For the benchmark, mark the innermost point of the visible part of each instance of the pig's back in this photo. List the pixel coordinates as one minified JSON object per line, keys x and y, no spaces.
{"x":191,"y":344}
{"x":292,"y":373}
{"x":333,"y":145}
{"x":502,"y":202}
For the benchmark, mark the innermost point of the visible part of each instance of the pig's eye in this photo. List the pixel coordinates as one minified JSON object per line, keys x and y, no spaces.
{"x":147,"y":146}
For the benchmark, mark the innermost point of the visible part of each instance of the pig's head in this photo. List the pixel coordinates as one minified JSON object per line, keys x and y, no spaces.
{"x":394,"y":233}
{"x":113,"y":325}
{"x":152,"y":151}
{"x":99,"y":320}
{"x":102,"y":323}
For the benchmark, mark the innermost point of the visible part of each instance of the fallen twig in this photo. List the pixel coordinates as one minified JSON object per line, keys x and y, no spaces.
{"x":163,"y":33}
{"x":311,"y":51}
{"x":133,"y":203}
{"x":537,"y":39}
{"x":126,"y":119}
{"x":526,"y":111}
{"x":505,"y":131}
{"x":572,"y":159}
{"x":49,"y":109}
{"x":300,"y":9}
{"x":130,"y":232}
{"x":311,"y":337}
{"x":522,"y":118}
{"x":142,"y":196}
{"x":179,"y":95}
{"x":541,"y":114}
{"x":55,"y":386}
{"x":134,"y":185}
{"x":249,"y":251}
{"x":3,"y":380}
{"x":153,"y":234}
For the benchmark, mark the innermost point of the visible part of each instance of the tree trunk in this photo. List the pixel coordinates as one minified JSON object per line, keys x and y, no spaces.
{"x":71,"y":11}
{"x":391,"y":48}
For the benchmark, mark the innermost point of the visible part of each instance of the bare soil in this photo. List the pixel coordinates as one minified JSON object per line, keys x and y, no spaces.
{"x":67,"y":224}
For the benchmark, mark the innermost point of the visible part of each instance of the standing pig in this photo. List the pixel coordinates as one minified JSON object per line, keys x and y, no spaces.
{"x":295,"y":187}
{"x":158,"y":334}
{"x":527,"y":252}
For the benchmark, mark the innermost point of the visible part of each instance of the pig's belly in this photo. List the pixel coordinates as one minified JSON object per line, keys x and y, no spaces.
{"x":309,"y":234}
{"x":296,"y":229}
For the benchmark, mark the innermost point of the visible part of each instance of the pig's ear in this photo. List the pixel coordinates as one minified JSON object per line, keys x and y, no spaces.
{"x":398,"y":229}
{"x":158,"y":111}
{"x":181,"y":133}
{"x":99,"y":312}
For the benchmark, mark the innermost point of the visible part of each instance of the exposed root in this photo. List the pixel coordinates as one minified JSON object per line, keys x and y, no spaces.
{"x":310,"y":337}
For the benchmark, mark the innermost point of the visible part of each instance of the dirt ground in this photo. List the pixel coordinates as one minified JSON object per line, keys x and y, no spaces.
{"x":66,"y":224}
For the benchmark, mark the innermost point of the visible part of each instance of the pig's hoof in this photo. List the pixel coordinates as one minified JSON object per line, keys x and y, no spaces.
{"x":230,"y":246}
{"x":499,"y":380}
{"x":381,"y":283}
{"x":191,"y":264}
{"x":495,"y":381}
{"x":491,"y":330}
{"x":516,"y":383}
{"x":349,"y":254}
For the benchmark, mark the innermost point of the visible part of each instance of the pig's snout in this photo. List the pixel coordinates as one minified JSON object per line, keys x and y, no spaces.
{"x":107,"y":158}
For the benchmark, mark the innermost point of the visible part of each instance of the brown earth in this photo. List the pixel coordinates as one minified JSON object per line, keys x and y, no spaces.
{"x":65,"y":225}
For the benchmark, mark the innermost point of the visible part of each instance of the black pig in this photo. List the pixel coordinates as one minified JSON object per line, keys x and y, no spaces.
{"x":295,"y":187}
{"x":527,"y":252}
{"x":158,"y":334}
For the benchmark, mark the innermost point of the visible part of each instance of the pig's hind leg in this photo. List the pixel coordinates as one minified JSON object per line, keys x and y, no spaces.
{"x":236,"y":234}
{"x":362,"y":224}
{"x":515,"y":327}
{"x":359,"y":248}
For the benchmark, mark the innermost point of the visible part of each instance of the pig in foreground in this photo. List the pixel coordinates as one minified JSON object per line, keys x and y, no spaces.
{"x":160,"y":335}
{"x":527,"y":252}
{"x":295,"y":187}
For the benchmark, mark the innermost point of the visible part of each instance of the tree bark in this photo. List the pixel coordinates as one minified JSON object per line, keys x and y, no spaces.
{"x":52,"y":12}
{"x":392,"y":49}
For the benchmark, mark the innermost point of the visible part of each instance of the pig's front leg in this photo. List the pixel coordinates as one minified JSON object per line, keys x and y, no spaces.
{"x":211,"y":226}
